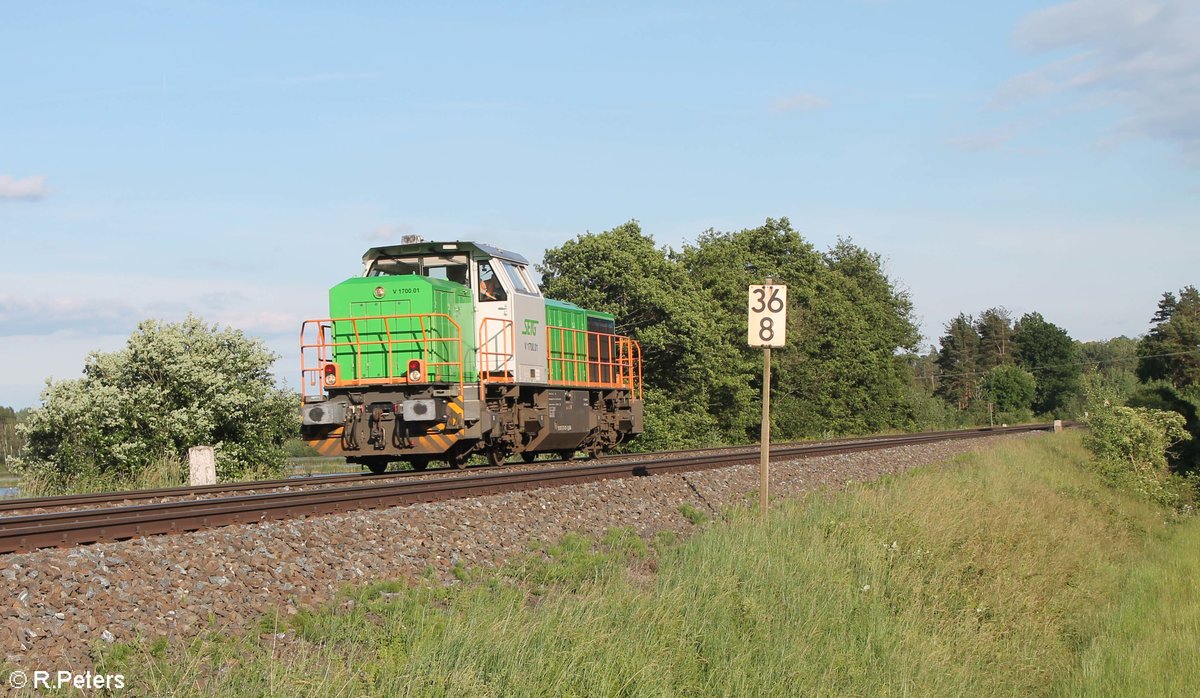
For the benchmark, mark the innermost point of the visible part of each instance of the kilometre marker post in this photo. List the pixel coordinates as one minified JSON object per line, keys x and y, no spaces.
{"x":766,"y":328}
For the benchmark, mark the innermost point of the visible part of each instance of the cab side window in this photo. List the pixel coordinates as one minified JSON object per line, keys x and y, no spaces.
{"x":517,"y":277}
{"x":489,"y":285}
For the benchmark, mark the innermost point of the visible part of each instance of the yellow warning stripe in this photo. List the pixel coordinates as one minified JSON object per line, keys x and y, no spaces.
{"x":436,"y":440}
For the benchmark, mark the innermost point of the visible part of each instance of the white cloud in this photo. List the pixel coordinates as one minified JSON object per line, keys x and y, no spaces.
{"x":73,"y":314}
{"x":803,"y":101}
{"x":49,"y":324}
{"x":39,"y":306}
{"x":389,"y":233}
{"x":331,"y":77}
{"x":994,"y":139}
{"x":30,"y":189}
{"x":1140,"y":57}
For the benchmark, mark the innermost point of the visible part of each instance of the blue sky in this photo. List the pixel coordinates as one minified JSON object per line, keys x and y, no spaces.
{"x":234,"y":161}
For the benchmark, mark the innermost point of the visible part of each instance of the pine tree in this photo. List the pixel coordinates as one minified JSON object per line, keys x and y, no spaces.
{"x":958,"y":362}
{"x":995,"y":329}
{"x":1171,"y":350}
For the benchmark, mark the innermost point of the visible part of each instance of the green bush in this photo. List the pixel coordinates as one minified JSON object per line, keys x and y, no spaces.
{"x":298,"y":448}
{"x":172,"y":387}
{"x":1131,"y":447}
{"x":1185,"y":458}
{"x":1010,"y":388}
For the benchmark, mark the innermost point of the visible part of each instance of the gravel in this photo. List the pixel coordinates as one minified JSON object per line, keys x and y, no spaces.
{"x":62,"y":602}
{"x":320,"y":482}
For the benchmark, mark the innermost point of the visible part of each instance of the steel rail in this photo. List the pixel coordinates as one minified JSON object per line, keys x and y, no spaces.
{"x":71,"y":500}
{"x":63,"y":529}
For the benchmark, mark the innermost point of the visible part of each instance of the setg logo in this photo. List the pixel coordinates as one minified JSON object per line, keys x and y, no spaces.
{"x":530,"y":328}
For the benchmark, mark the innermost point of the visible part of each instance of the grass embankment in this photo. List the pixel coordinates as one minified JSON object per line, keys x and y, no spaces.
{"x":1147,"y":644}
{"x":1011,"y":572}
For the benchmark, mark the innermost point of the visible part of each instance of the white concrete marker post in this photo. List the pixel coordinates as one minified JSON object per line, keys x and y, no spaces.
{"x":202,"y":464}
{"x":766,"y":328}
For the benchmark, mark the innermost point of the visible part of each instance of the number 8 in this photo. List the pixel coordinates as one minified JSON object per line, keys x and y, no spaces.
{"x":766,"y":329}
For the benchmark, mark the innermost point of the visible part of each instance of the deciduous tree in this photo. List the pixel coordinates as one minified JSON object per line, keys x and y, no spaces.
{"x":698,"y":392}
{"x":841,"y":371}
{"x":173,"y":386}
{"x":1010,"y":389}
{"x":847,"y":322}
{"x":1047,"y":351}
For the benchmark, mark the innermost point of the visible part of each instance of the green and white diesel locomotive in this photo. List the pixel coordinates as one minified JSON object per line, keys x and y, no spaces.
{"x":441,"y":350}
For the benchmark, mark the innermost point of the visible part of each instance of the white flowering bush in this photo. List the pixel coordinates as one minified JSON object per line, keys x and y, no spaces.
{"x":173,"y":386}
{"x":1131,"y":444}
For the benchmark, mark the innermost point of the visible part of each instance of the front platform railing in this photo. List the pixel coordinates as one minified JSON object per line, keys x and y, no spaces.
{"x":379,"y":350}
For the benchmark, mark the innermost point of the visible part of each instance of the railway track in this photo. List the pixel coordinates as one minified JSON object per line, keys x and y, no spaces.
{"x":19,"y":504}
{"x":81,"y":526}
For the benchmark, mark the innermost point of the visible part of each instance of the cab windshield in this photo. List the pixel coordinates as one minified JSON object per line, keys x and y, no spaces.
{"x":449,"y":267}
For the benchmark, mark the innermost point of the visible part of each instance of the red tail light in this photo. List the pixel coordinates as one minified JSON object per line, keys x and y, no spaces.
{"x":330,"y":374}
{"x":416,"y":371}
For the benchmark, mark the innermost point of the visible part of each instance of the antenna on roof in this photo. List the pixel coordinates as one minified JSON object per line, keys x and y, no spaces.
{"x":410,"y":239}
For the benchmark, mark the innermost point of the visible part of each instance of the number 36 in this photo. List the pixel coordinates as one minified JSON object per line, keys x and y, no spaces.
{"x":773,"y":304}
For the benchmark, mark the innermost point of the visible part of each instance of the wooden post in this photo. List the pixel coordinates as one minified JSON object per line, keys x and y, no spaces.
{"x":764,"y":458}
{"x":202,"y":464}
{"x":766,"y":327}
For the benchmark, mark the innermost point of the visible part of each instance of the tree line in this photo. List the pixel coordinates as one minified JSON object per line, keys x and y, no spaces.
{"x":1018,"y":368}
{"x":852,"y":363}
{"x":11,"y":439}
{"x":1015,"y":369}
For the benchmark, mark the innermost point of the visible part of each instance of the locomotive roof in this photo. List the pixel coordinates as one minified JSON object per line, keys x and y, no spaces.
{"x":477,"y":250}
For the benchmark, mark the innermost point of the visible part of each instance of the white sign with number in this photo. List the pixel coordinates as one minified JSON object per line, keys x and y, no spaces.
{"x":768,"y":315}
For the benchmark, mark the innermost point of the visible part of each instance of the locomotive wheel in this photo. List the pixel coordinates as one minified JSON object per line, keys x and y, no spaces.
{"x":566,"y":455}
{"x":376,"y":466}
{"x":495,"y":456}
{"x":529,"y":456}
{"x":419,"y":463}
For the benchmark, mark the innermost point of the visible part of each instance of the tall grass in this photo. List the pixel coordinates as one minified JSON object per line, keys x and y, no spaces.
{"x":166,"y":471}
{"x":982,"y":576}
{"x":1146,"y":644}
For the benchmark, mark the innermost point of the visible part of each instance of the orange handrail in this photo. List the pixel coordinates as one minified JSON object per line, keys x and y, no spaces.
{"x":604,"y":360}
{"x":322,"y":349}
{"x":499,"y":371}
